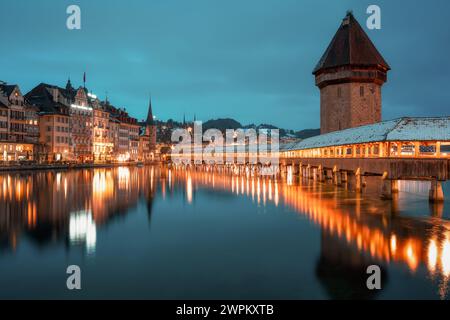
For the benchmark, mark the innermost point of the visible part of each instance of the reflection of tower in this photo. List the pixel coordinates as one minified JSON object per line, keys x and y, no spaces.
{"x":342,"y":269}
{"x":350,"y":75}
{"x":149,"y":203}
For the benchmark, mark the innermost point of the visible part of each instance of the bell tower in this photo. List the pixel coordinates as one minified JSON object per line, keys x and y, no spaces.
{"x":350,"y":75}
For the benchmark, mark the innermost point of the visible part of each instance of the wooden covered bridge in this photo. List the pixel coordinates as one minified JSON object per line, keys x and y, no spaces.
{"x":401,"y":149}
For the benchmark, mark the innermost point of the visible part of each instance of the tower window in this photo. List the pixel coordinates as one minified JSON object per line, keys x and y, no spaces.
{"x":339,"y":92}
{"x":361,"y":91}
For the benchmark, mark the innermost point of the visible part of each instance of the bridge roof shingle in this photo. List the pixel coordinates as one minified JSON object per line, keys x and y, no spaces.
{"x":403,"y":129}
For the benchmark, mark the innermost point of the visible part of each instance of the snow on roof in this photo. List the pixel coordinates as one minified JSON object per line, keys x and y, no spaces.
{"x":403,"y":129}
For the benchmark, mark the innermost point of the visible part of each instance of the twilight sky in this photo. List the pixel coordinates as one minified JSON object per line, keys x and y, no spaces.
{"x":247,"y":59}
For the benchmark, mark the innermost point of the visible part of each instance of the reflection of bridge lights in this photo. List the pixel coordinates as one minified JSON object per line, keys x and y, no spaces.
{"x":411,"y":258}
{"x":445,"y":258}
{"x":393,"y":244}
{"x":264,"y":192}
{"x":270,"y":190}
{"x":82,"y":229}
{"x":169,"y":178}
{"x":258,"y":191}
{"x":253,"y":190}
{"x":290,"y":178}
{"x":432,"y":255}
{"x":370,"y":239}
{"x":189,"y":189}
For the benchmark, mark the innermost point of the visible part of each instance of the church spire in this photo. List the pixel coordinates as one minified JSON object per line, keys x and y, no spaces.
{"x":150,"y":121}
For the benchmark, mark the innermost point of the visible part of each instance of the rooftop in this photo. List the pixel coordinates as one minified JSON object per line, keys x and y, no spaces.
{"x":351,"y":46}
{"x":403,"y":129}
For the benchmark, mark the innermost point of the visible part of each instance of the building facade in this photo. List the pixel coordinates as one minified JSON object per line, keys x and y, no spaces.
{"x":81,"y":117}
{"x":350,"y":75}
{"x":54,"y":122}
{"x":103,"y":141}
{"x":14,"y":145}
{"x":147,"y":137}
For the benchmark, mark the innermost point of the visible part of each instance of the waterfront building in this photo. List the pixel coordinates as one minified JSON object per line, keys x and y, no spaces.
{"x":67,"y":124}
{"x":54,"y":122}
{"x":81,"y":117}
{"x":114,"y":134}
{"x":31,"y":124}
{"x":13,"y":143}
{"x":103,"y":143}
{"x":130,"y":129}
{"x":125,"y":131}
{"x":147,"y":137}
{"x":350,"y":75}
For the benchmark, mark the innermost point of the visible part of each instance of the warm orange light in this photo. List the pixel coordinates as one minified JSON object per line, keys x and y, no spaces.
{"x":432,"y":255}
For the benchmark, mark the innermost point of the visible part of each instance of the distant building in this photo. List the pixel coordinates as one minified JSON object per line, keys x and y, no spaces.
{"x":350,"y":75}
{"x":14,"y":142}
{"x":125,"y":132}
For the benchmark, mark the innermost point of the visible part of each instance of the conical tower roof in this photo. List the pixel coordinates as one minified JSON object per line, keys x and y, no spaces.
{"x":351,"y":46}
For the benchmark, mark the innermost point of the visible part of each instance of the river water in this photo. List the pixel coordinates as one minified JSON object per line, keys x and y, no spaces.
{"x":157,"y":233}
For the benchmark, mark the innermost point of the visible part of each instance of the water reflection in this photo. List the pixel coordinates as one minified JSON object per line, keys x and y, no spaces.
{"x":82,"y":229}
{"x":67,"y":206}
{"x":355,"y":230}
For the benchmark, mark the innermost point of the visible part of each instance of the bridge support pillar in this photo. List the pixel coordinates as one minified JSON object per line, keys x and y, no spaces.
{"x":355,"y":181}
{"x":344,"y":176}
{"x":386,"y":189}
{"x":295,"y":169}
{"x":336,"y":176}
{"x":283,"y":171}
{"x":320,"y":176}
{"x":436,"y":193}
{"x":315,"y":173}
{"x":308,"y":172}
{"x":394,"y":186}
{"x":359,"y":181}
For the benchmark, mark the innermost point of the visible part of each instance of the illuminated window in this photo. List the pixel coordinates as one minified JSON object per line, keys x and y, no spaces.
{"x":445,"y":148}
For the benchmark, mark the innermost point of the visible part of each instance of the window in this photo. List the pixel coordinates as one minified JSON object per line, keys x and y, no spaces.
{"x":376,"y":150}
{"x":430,"y":149}
{"x":361,"y":91}
{"x":339,"y":92}
{"x":445,"y":148}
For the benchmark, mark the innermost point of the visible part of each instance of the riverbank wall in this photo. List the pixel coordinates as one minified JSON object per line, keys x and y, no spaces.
{"x":64,"y":166}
